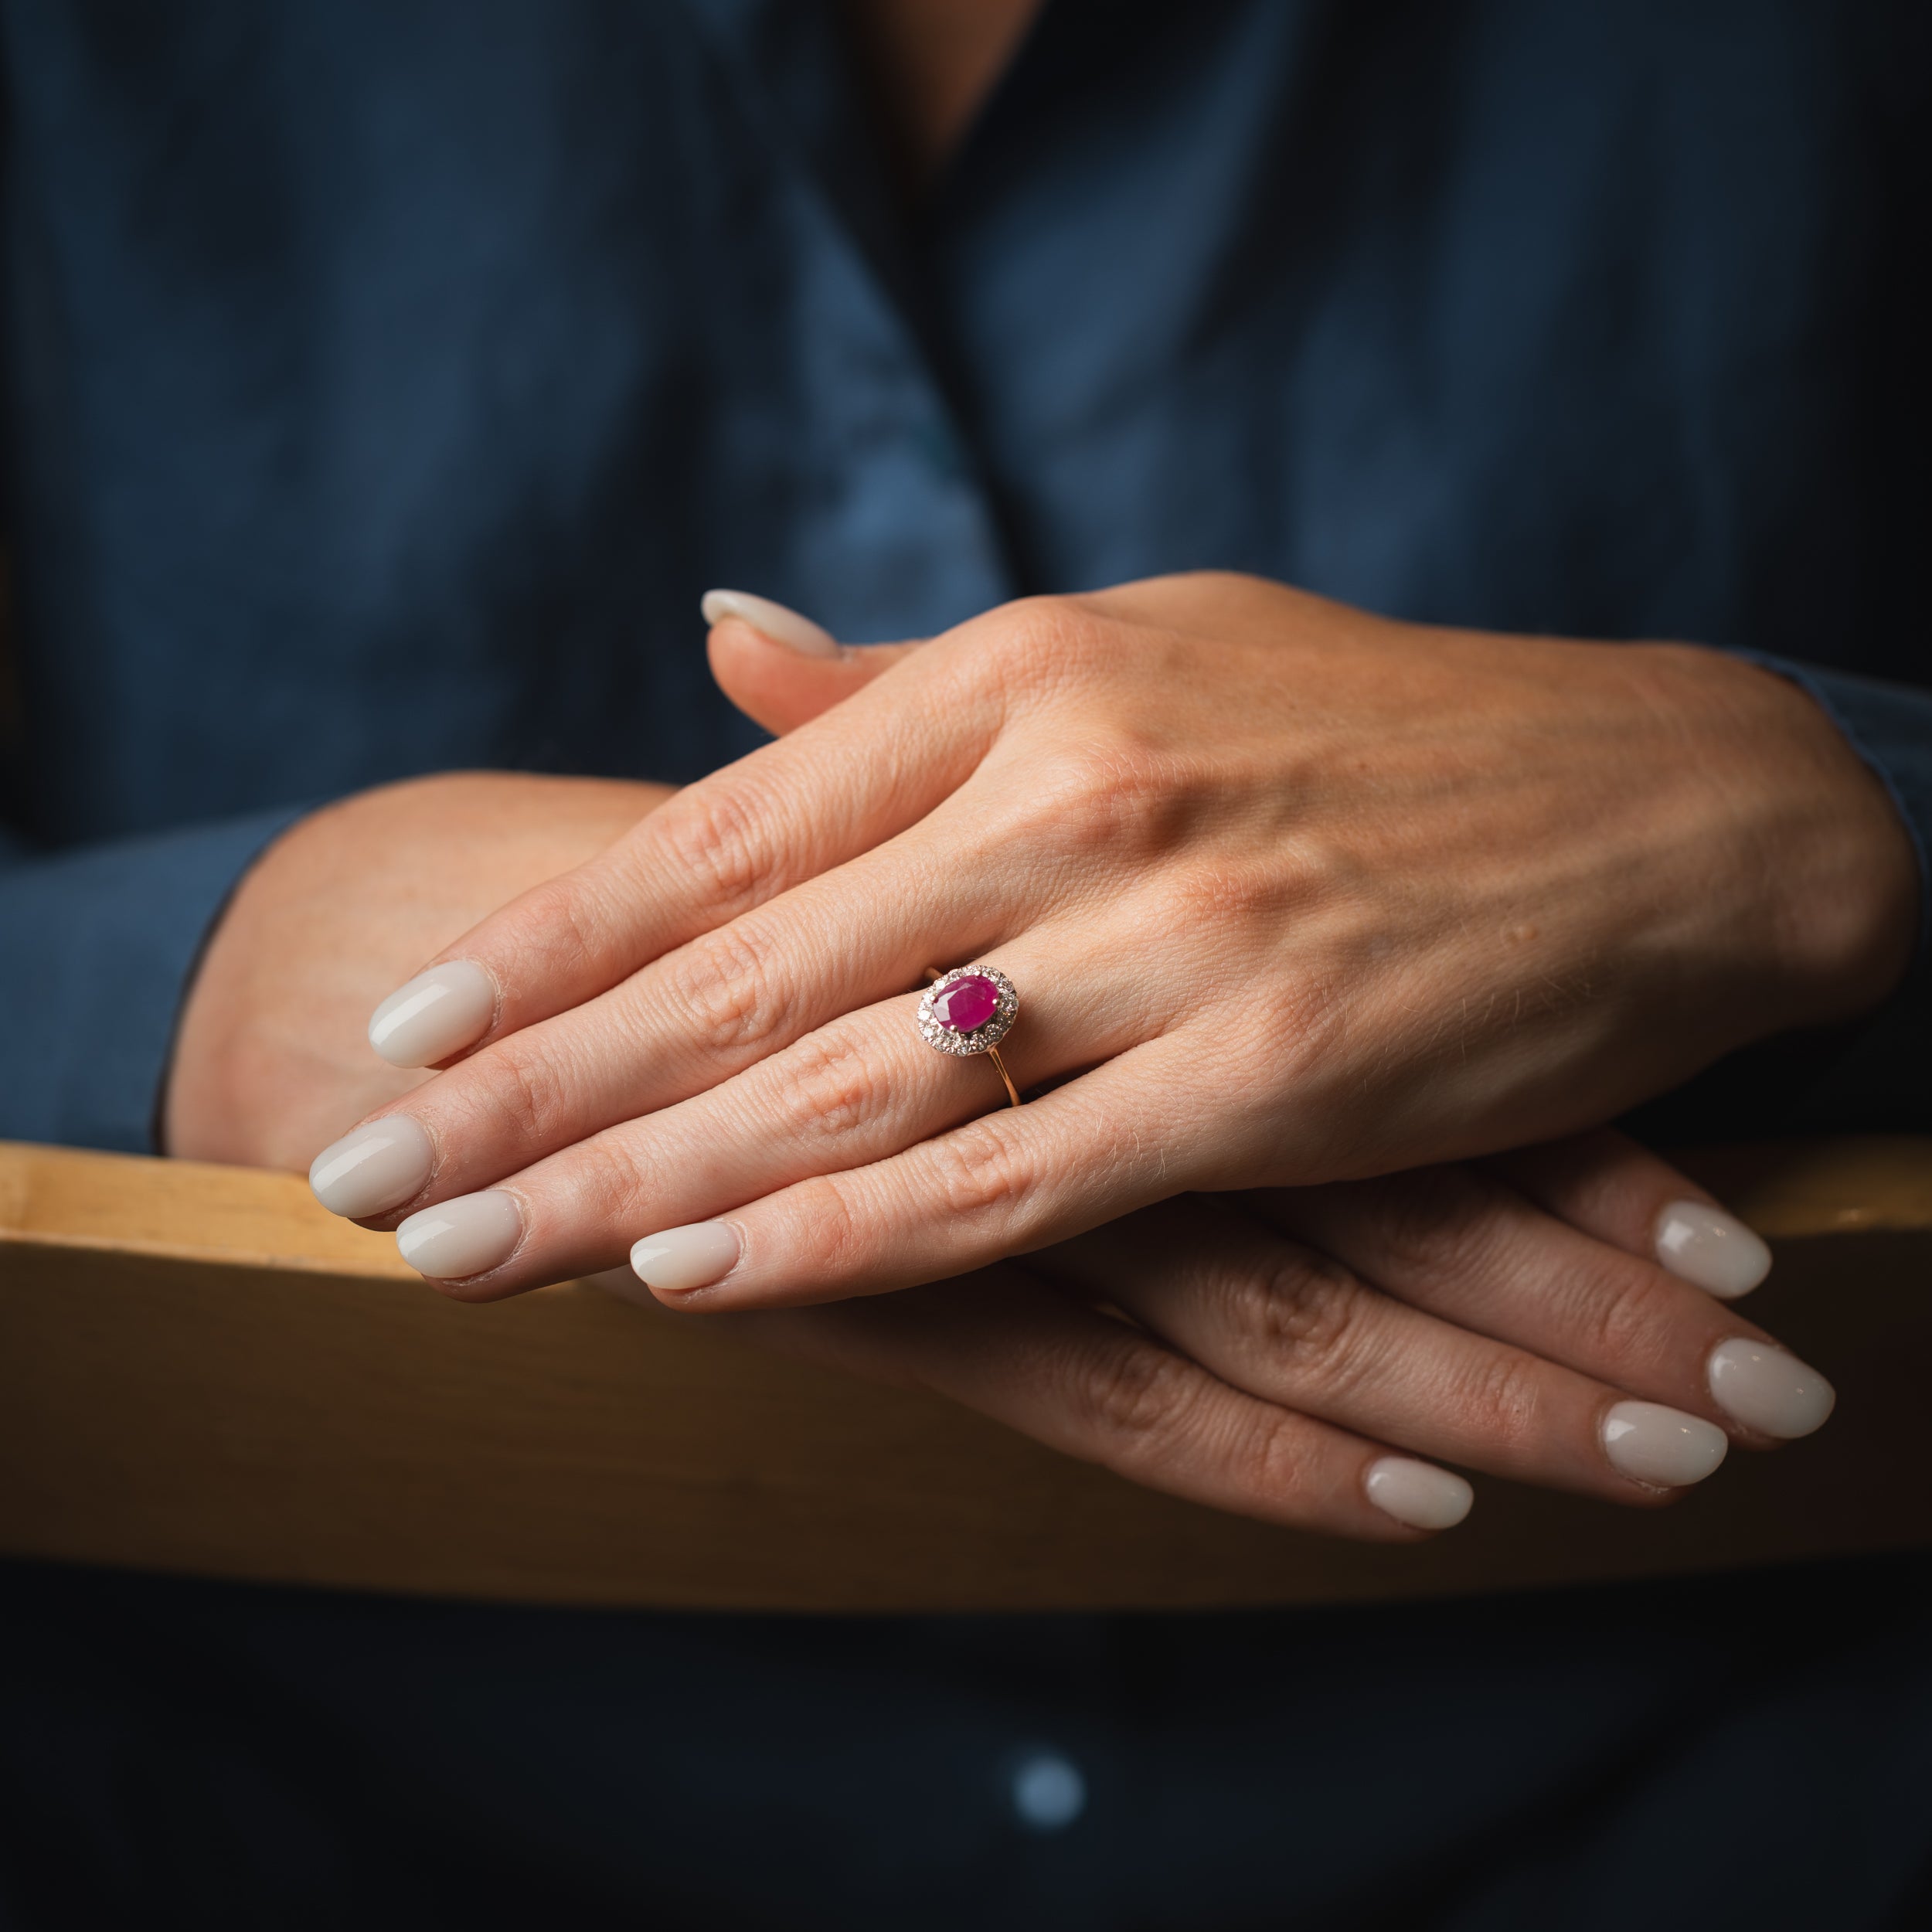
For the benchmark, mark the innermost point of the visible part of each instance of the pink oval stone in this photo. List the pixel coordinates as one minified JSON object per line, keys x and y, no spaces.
{"x":968,"y":1003}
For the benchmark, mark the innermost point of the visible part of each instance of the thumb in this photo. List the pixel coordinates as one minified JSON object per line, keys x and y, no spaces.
{"x":779,"y":668}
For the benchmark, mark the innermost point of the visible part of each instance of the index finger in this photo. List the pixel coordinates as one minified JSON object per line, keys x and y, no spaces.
{"x":836,"y":787}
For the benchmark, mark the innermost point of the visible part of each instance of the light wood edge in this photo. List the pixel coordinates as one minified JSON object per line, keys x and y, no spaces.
{"x":1792,"y":1190}
{"x":545,"y":1411}
{"x":79,"y":1197}
{"x":247,"y":1217}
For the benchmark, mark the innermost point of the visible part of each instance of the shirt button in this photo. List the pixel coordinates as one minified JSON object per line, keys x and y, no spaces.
{"x":1048,"y":1792}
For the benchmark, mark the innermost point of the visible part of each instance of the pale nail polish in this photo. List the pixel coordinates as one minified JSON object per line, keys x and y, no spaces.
{"x":1661,"y":1446}
{"x":434,"y":1015}
{"x":1418,"y":1493}
{"x":1712,"y":1249}
{"x":775,"y":621}
{"x":1769,"y":1389}
{"x":681,"y":1259}
{"x":378,"y":1166}
{"x":470,"y":1235}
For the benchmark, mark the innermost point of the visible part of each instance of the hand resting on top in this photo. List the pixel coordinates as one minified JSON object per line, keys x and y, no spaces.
{"x":1290,"y":894}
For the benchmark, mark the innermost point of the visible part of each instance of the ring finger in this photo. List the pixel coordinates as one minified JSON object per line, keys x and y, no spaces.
{"x":857,"y":1091}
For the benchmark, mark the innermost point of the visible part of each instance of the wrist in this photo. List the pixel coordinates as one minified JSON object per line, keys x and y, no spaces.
{"x":1834,"y":867}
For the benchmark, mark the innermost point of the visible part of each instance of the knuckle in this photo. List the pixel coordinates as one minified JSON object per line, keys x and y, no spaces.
{"x":828,"y":1085}
{"x":1139,"y":1395}
{"x":713,"y":836}
{"x":564,"y":923}
{"x":1153,"y":1410}
{"x":527,"y":1091}
{"x":1305,"y":1313}
{"x":724,"y":991}
{"x":1029,"y":640}
{"x":1227,"y":892}
{"x":824,"y":1231}
{"x":1109,"y":793}
{"x":1502,"y":1404}
{"x":607,"y":1179}
{"x":1618,"y":1310}
{"x":980,"y":1172}
{"x":1269,"y":1464}
{"x":1435,"y":1222}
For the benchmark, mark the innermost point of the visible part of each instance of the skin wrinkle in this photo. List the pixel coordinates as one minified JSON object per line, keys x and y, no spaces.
{"x":834,"y":1090}
{"x":1305,"y":1317}
{"x":572,"y":928}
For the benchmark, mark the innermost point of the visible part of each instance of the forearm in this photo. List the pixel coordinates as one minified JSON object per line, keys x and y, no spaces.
{"x":272,"y":1059}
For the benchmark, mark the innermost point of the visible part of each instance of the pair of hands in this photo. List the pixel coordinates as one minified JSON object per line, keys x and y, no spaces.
{"x":1300,"y":897}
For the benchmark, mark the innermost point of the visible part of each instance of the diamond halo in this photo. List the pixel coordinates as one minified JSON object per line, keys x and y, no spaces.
{"x":982,"y":1038}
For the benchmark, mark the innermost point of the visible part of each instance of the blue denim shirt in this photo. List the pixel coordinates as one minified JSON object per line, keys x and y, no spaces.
{"x":385,"y":379}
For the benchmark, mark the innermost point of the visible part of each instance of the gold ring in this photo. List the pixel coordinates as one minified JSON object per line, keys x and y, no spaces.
{"x":969,"y":1011}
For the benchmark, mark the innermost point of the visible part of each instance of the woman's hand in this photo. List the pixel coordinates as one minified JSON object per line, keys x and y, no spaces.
{"x":1290,"y":893}
{"x":1293,"y":1356}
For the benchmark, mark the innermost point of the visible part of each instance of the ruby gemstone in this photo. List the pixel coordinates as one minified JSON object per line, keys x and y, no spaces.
{"x":966,"y":1003}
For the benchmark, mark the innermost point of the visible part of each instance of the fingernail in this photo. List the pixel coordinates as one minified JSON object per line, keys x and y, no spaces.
{"x":1662,"y":1446}
{"x":378,"y":1166}
{"x":470,"y":1235}
{"x":1769,"y":1389}
{"x":681,"y":1259}
{"x":1714,"y":1250}
{"x":775,"y":621}
{"x":1418,"y":1493}
{"x":435,"y":1014}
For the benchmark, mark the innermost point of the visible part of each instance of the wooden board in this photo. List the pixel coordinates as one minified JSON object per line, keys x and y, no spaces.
{"x":202,"y":1371}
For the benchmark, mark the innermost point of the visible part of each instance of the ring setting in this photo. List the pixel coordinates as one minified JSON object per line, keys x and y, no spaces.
{"x":969,"y":1011}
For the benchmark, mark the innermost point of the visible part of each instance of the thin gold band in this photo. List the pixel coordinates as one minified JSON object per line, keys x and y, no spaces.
{"x":999,"y":1067}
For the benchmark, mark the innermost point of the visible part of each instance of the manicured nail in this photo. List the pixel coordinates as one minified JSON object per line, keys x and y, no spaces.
{"x":470,"y":1235}
{"x":433,"y":1016}
{"x":1418,"y":1493}
{"x":1713,"y":1250}
{"x":681,"y":1259}
{"x":1767,"y":1388}
{"x":1662,"y":1446}
{"x":378,"y":1166}
{"x":783,"y":625}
